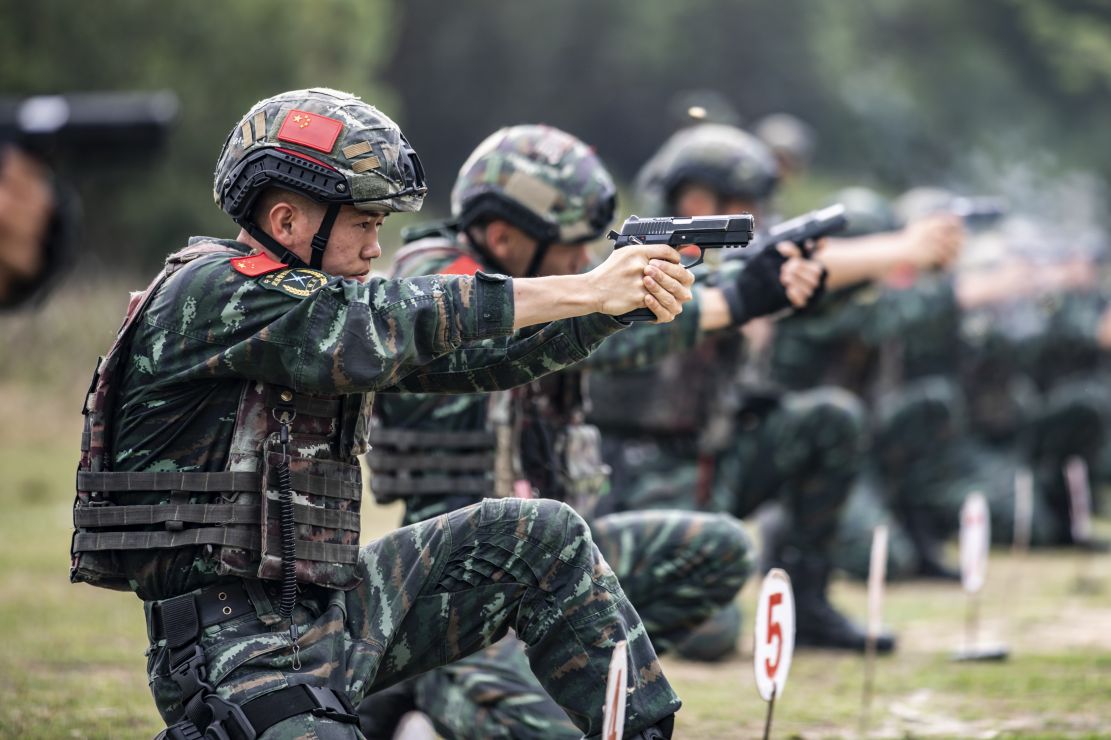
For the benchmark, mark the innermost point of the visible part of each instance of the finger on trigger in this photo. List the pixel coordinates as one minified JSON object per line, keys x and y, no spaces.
{"x":788,"y":249}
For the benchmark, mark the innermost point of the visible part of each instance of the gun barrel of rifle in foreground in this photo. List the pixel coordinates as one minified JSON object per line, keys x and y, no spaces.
{"x":701,"y":232}
{"x":83,"y":125}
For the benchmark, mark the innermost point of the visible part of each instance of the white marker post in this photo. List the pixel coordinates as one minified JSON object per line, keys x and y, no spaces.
{"x":1080,"y":519}
{"x":877,"y":575}
{"x":1024,"y":511}
{"x":975,"y":543}
{"x":775,"y":639}
{"x":613,"y":716}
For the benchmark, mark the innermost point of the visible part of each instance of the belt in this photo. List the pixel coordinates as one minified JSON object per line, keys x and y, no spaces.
{"x":181,"y":617}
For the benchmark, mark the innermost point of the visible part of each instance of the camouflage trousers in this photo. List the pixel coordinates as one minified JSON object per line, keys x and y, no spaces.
{"x":804,"y":454}
{"x":926,"y":461}
{"x":435,"y":592}
{"x":676,"y":568}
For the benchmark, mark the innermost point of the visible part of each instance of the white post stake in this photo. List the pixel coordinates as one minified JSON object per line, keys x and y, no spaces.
{"x":613,"y":716}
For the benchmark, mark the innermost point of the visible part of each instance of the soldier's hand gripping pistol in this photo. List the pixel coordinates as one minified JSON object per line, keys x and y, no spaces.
{"x":701,"y":232}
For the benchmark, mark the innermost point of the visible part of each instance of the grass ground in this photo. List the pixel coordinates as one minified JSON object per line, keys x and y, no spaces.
{"x":71,"y":656}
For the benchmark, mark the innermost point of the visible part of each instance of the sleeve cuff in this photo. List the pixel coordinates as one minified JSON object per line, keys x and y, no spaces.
{"x":592,"y":329}
{"x":493,"y":314}
{"x":737,"y":313}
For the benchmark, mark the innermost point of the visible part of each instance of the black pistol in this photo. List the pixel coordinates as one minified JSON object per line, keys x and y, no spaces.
{"x":702,"y":232}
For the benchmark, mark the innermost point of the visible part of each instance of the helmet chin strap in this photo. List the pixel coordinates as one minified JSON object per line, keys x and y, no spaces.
{"x":537,"y":258}
{"x":319,"y":240}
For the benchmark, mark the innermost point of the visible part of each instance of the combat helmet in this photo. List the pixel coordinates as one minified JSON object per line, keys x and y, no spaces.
{"x":866,"y":212}
{"x":790,"y":138}
{"x":327,"y":145}
{"x":542,"y":180}
{"x":723,"y":158}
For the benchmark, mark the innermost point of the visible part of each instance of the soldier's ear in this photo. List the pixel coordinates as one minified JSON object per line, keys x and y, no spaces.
{"x":281,"y":218}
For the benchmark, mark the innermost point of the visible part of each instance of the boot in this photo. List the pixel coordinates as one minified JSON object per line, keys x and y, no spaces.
{"x":380,"y":713}
{"x":817,"y":622}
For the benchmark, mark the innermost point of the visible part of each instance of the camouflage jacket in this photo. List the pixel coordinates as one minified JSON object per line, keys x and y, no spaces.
{"x":211,"y":330}
{"x":545,"y":416}
{"x":857,"y":335}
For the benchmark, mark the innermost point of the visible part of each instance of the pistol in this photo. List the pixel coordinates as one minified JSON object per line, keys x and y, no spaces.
{"x":701,"y":232}
{"x":979,"y":211}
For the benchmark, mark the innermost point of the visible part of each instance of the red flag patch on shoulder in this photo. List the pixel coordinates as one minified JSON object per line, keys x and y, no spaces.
{"x":256,"y":264}
{"x":463,"y":265}
{"x":310,"y":129}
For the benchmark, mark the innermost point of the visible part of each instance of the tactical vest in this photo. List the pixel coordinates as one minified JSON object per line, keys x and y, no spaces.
{"x":678,"y":395}
{"x":283,"y":441}
{"x":535,"y":441}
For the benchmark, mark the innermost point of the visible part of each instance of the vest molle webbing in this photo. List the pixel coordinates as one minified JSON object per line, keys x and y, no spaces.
{"x":233,"y":513}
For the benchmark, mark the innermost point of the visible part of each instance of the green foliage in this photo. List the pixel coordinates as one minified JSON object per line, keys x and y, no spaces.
{"x":218,"y":57}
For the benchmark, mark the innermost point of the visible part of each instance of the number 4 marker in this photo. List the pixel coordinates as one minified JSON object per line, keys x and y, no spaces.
{"x":613,"y":716}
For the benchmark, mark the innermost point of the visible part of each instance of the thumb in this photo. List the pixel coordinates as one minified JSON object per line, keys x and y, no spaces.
{"x":788,"y":249}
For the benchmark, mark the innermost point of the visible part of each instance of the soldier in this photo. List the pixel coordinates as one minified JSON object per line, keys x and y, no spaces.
{"x":726,"y":446}
{"x":217,"y":478}
{"x":528,"y":201}
{"x":791,"y":140}
{"x":30,"y":238}
{"x":883,"y":340}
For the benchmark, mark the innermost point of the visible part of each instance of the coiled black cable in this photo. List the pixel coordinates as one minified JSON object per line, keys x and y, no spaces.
{"x":289,"y":534}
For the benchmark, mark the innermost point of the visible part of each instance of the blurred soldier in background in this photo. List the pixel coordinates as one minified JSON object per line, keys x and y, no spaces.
{"x":727,"y":439}
{"x":1036,"y":398}
{"x":790,"y":139}
{"x":892,"y":343}
{"x":29,"y":233}
{"x":218,"y":482}
{"x":529,"y":201}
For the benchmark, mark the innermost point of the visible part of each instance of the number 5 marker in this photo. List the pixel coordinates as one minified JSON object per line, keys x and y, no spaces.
{"x":775,"y":638}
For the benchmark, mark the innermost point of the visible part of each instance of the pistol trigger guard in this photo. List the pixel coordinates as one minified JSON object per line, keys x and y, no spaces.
{"x":697,"y":262}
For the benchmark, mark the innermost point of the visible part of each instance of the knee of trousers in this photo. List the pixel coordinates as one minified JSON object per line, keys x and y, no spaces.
{"x":727,"y":544}
{"x":561,"y":522}
{"x":933,"y":405}
{"x":832,"y":418}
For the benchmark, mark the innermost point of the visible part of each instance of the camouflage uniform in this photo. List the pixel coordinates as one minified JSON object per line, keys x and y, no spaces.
{"x":718,"y":437}
{"x":677,"y":568}
{"x":1039,"y":399}
{"x":214,"y":339}
{"x":873,"y":341}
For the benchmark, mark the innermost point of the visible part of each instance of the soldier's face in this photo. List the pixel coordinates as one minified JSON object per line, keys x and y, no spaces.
{"x":697,"y":200}
{"x":564,"y":259}
{"x":353,"y":243}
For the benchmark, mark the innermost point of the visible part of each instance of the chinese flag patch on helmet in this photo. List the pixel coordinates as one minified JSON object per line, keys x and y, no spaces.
{"x":310,"y":129}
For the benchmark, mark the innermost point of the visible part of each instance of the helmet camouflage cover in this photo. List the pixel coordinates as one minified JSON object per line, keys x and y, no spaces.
{"x":724,"y":158}
{"x":543,"y":180}
{"x":327,"y":145}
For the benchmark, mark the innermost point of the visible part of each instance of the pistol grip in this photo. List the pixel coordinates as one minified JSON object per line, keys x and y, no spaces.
{"x":638,"y":314}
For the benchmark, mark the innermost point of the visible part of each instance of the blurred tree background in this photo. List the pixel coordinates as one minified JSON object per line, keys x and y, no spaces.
{"x":991,"y":96}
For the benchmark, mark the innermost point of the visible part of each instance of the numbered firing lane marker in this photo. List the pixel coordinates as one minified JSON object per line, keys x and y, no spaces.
{"x":613,"y":716}
{"x":975,"y":539}
{"x":775,"y":634}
